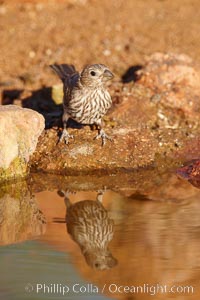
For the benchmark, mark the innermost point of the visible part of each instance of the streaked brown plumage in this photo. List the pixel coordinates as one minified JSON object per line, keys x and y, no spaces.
{"x":91,"y":228}
{"x":86,"y":99}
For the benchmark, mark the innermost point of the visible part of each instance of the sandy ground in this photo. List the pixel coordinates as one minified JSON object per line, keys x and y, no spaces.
{"x":118,"y":33}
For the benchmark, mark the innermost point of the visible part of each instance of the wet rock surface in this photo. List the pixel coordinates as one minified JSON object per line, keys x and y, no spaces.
{"x":138,"y":184}
{"x":19,"y":132}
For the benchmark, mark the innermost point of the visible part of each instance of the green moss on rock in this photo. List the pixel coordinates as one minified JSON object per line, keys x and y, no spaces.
{"x":17,"y":168}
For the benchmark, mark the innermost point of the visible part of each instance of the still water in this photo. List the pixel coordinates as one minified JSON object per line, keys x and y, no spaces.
{"x":137,"y":238}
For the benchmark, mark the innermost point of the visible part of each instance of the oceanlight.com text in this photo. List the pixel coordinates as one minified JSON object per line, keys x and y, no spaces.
{"x":113,"y":288}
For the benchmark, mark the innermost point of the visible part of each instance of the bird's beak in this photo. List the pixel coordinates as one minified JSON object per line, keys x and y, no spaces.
{"x":107,"y":74}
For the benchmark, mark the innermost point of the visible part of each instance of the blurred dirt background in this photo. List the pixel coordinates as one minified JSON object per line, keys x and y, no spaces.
{"x":118,"y":33}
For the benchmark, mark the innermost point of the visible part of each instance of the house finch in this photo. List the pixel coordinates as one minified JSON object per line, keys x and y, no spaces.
{"x":91,"y":228}
{"x":85,"y":98}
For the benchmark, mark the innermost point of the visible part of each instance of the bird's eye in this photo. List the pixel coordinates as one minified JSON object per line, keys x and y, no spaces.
{"x":92,"y":73}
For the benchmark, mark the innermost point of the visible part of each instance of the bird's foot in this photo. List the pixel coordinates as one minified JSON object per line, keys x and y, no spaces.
{"x":103,"y":137}
{"x":65,"y":136}
{"x":65,"y":193}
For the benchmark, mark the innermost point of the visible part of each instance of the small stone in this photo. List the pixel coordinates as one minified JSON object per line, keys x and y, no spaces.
{"x":39,"y":6}
{"x":107,"y":52}
{"x":118,"y":47}
{"x":3,"y":10}
{"x":191,"y":172}
{"x":57,"y":93}
{"x":48,"y":52}
{"x":32,"y":54}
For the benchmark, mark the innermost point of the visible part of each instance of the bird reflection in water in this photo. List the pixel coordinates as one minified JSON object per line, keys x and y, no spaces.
{"x":91,"y":228}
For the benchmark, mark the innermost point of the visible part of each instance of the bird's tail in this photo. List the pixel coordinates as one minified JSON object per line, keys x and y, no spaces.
{"x":64,"y":70}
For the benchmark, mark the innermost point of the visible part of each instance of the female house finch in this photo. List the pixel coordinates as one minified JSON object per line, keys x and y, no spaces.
{"x":90,"y":227}
{"x":85,"y":98}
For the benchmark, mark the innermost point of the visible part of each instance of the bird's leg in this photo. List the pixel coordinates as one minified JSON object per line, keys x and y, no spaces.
{"x":65,"y":194}
{"x":65,"y":134}
{"x":101,"y":134}
{"x":100,"y":194}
